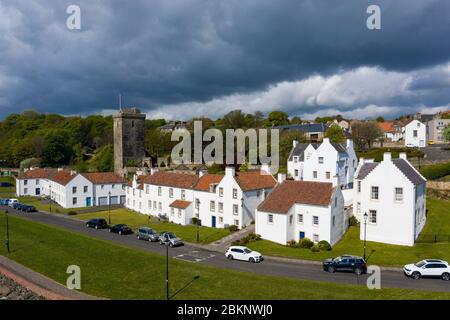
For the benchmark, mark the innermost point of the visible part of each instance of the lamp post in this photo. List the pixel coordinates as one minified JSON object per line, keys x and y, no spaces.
{"x":167,"y":272}
{"x":50,"y":191}
{"x":365,"y":233}
{"x":198,"y":221}
{"x":109,"y":207}
{"x":7,"y":231}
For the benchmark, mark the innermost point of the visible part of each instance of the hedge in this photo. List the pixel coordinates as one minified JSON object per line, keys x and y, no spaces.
{"x":435,"y":171}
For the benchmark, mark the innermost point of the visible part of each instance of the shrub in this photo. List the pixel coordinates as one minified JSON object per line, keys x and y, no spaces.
{"x":196,"y":221}
{"x":291,"y":243}
{"x":435,"y":171}
{"x":233,"y":228}
{"x":352,"y":221}
{"x":252,"y":237}
{"x":315,"y":248}
{"x":305,"y":243}
{"x":72,"y":213}
{"x":324,"y":245}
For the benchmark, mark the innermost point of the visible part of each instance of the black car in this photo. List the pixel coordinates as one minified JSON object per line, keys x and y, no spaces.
{"x":97,"y":223}
{"x":27,"y":208}
{"x":6,"y":184}
{"x":345,"y":263}
{"x":121,"y":229}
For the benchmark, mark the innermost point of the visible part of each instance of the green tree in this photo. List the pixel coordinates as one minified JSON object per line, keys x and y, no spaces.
{"x":278,"y":118}
{"x":447,"y":133}
{"x":365,"y":133}
{"x":380,"y":119}
{"x":296,"y":120}
{"x":335,"y":134}
{"x":234,"y":120}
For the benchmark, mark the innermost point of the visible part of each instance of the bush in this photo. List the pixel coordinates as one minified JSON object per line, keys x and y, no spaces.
{"x":315,"y":248}
{"x":435,"y":171}
{"x":324,"y":246}
{"x":252,"y":237}
{"x":291,"y":243}
{"x":233,"y":228}
{"x":352,"y":221}
{"x":196,"y":221}
{"x":305,"y":243}
{"x":72,"y":213}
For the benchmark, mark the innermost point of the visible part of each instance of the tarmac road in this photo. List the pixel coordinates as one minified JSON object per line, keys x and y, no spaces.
{"x":306,"y":271}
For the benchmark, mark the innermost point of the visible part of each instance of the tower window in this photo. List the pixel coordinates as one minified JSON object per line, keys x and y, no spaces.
{"x":132,"y":123}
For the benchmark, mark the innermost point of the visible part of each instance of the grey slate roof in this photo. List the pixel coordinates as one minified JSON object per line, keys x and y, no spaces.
{"x":299,"y":150}
{"x":311,"y":127}
{"x":366,"y":169}
{"x":408,"y":171}
{"x":339,"y":148}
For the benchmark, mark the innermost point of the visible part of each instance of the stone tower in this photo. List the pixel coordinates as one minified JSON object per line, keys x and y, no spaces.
{"x":129,"y":135}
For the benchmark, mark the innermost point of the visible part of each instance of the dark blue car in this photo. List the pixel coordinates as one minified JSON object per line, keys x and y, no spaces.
{"x":17,"y":205}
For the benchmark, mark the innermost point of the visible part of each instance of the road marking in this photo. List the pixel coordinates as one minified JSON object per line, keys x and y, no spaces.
{"x":194,"y":256}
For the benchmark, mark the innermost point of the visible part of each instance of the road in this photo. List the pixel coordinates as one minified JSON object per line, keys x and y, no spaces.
{"x":389,"y":279}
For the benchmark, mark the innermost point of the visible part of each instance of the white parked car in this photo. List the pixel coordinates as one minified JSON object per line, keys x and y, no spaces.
{"x":428,"y":268}
{"x":243,"y":253}
{"x":12,"y":201}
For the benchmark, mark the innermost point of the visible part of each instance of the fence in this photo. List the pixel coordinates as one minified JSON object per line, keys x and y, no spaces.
{"x":433,"y":238}
{"x":441,"y":185}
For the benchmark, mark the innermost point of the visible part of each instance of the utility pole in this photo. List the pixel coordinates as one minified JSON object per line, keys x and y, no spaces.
{"x":7,"y":231}
{"x":167,"y":272}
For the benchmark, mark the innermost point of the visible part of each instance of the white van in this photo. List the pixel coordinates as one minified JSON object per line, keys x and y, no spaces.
{"x":12,"y":201}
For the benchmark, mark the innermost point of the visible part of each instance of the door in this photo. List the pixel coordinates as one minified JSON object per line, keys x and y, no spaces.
{"x":122,"y":200}
{"x":102,"y":201}
{"x":213,"y":221}
{"x":114,"y":200}
{"x":301,"y":235}
{"x":38,"y":191}
{"x":88,"y":202}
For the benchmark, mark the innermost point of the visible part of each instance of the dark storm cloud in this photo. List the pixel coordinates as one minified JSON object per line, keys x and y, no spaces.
{"x":180,"y":51}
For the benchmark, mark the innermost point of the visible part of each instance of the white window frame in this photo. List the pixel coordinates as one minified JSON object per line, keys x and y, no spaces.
{"x":372,"y":193}
{"x":372,"y":214}
{"x":269,"y":218}
{"x":314,"y":221}
{"x":396,"y":195}
{"x":300,"y":218}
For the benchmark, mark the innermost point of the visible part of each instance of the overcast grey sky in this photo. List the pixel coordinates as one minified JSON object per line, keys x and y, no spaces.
{"x":180,"y":58}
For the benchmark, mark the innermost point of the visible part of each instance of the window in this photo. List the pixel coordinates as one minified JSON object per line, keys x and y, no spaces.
{"x":160,"y":206}
{"x":140,"y":205}
{"x":134,"y":191}
{"x":197,"y":203}
{"x":315,"y":237}
{"x":220,"y":207}
{"x":236,"y":223}
{"x":295,"y":159}
{"x":159,"y":191}
{"x":183,"y":194}
{"x":358,"y":207}
{"x":359,"y":186}
{"x":373,"y":216}
{"x":234,"y":193}
{"x":270,"y":218}
{"x":235,"y":209}
{"x":85,"y":189}
{"x":74,"y":189}
{"x":315,"y":220}
{"x":221,"y":220}
{"x":327,"y":175}
{"x":300,"y":218}
{"x":149,"y":204}
{"x":113,"y":186}
{"x":335,"y":202}
{"x":25,"y":182}
{"x":179,"y":213}
{"x":212,"y":206}
{"x":154,"y":205}
{"x":320,"y":160}
{"x":415,"y":133}
{"x":172,"y":211}
{"x":170,"y":193}
{"x":103,"y":186}
{"x":74,"y":201}
{"x":334,"y":221}
{"x":147,"y":188}
{"x":315,"y":174}
{"x":37,"y":181}
{"x":296,"y":172}
{"x":374,"y":194}
{"x":220,"y":192}
{"x":25,"y":190}
{"x":123,"y":187}
{"x":291,"y":219}
{"x":398,"y":194}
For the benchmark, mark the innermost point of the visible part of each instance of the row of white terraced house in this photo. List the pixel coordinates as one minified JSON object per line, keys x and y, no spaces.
{"x":216,"y":200}
{"x":71,"y":189}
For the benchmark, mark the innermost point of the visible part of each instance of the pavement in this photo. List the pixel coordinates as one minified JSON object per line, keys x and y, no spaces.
{"x":272,"y":266}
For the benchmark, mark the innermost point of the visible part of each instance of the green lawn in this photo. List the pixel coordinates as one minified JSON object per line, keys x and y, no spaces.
{"x":42,"y":205}
{"x":136,"y":220}
{"x":7,"y":192}
{"x":118,"y":272}
{"x":438,"y":221}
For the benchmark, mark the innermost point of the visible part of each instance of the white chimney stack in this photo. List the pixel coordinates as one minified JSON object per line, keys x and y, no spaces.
{"x":327,"y":140}
{"x":403,"y":156}
{"x":265,"y":169}
{"x":230,"y":171}
{"x":387,"y":156}
{"x":349,"y":143}
{"x":281,"y":177}
{"x":295,"y":143}
{"x":201,"y":173}
{"x":153,"y":171}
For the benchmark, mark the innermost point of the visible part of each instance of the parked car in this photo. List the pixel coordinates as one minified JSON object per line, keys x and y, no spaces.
{"x":6,"y":184}
{"x":243,"y":253}
{"x":432,"y":268}
{"x":17,"y":205}
{"x":4,"y":202}
{"x":12,"y":201}
{"x":120,"y":229}
{"x":148,"y":234}
{"x":97,"y":223}
{"x":346,"y":263}
{"x":170,"y":239}
{"x":27,"y":208}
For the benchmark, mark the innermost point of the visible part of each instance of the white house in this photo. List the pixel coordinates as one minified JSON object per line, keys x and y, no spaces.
{"x":217,"y":200}
{"x":71,"y":189}
{"x":390,"y":200}
{"x":302,"y":209}
{"x":415,"y":134}
{"x":325,"y":162}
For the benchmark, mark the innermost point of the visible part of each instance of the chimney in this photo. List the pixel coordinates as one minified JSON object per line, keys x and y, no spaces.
{"x":230,"y":171}
{"x":281,"y":177}
{"x":153,"y":171}
{"x":60,"y":169}
{"x":202,"y":172}
{"x":326,"y":140}
{"x":349,"y":143}
{"x":265,"y":169}
{"x":387,"y":156}
{"x":295,"y":143}
{"x":403,"y":156}
{"x":73,"y":172}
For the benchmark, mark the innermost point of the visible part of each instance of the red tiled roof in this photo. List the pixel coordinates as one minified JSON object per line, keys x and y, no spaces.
{"x":171,"y":179}
{"x":104,"y":177}
{"x":180,"y":204}
{"x":254,"y":180}
{"x":387,"y":126}
{"x":285,"y":195}
{"x":63,"y":177}
{"x":38,"y":173}
{"x":204,"y":182}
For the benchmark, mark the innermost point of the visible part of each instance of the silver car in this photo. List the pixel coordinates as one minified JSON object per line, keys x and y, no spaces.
{"x":147,"y":234}
{"x":170,"y":239}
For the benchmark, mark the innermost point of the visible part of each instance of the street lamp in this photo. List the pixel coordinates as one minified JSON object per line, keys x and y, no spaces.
{"x":198,"y":221}
{"x":167,"y":271}
{"x":109,"y":207}
{"x":365,"y":233}
{"x":50,"y":191}
{"x":7,"y":231}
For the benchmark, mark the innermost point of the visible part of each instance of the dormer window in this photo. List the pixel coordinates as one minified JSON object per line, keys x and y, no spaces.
{"x":295,"y":159}
{"x":320,"y":160}
{"x":212,"y":188}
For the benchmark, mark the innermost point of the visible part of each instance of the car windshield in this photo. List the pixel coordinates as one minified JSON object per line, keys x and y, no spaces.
{"x":420,"y":264}
{"x":247,"y":250}
{"x":171,"y":235}
{"x":337,"y":259}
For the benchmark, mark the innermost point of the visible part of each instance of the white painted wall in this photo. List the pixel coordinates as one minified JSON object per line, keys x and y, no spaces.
{"x":415,"y":134}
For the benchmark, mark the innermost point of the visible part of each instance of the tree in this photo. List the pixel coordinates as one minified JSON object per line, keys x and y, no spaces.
{"x":380,"y":119}
{"x":335,"y":134}
{"x":286,"y":142}
{"x":447,"y":133}
{"x":365,"y":133}
{"x":278,"y":118}
{"x":296,"y":120}
{"x":234,"y":120}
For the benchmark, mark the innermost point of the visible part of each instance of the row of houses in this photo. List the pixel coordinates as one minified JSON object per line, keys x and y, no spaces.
{"x":325,"y":187}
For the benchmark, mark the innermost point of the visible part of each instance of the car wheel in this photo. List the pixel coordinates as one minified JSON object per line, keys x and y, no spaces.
{"x":120,"y":233}
{"x":87,"y":225}
{"x":171,"y":244}
{"x":331,"y":269}
{"x":230,"y":257}
{"x":415,"y":275}
{"x":149,"y":239}
{"x":251,"y":260}
{"x":358,"y":271}
{"x":96,"y":227}
{"x":445,"y":276}
{"x":109,"y":230}
{"x":139,"y":238}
